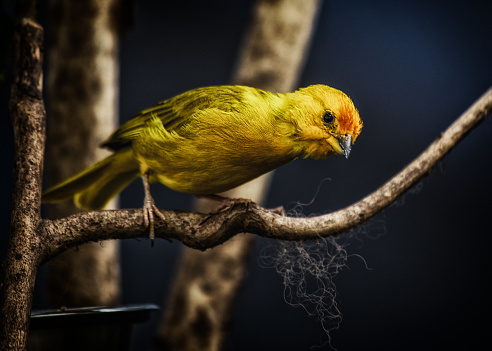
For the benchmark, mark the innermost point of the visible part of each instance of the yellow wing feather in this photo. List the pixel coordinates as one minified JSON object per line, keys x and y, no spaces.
{"x":175,"y":113}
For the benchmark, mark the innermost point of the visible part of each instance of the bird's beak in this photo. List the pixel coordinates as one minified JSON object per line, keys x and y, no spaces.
{"x":342,"y":144}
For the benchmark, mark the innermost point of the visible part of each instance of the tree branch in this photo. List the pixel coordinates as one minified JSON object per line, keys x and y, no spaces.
{"x":203,"y":231}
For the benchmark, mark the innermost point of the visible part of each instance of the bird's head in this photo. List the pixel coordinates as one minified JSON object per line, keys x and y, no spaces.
{"x":326,"y":121}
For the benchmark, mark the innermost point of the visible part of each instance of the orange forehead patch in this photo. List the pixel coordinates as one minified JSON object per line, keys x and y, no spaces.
{"x":348,"y":118}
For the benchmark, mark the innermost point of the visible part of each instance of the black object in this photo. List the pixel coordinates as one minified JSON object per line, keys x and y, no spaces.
{"x":89,"y":328}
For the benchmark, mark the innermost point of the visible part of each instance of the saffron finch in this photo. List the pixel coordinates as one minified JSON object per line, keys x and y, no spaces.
{"x":209,"y":140}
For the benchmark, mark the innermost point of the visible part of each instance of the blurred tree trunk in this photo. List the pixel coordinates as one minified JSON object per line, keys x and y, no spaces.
{"x":199,"y":309}
{"x":83,"y":111}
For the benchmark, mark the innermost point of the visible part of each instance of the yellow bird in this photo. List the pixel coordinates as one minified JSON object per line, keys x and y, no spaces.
{"x":209,"y":140}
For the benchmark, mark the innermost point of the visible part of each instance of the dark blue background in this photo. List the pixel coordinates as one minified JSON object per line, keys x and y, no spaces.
{"x":411,"y":67}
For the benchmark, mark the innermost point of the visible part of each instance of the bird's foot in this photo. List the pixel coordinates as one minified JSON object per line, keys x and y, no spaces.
{"x":225,"y":204}
{"x":150,"y":210}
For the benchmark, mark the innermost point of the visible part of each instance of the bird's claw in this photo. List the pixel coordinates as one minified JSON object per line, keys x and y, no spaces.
{"x":149,"y":210}
{"x":226,"y":205}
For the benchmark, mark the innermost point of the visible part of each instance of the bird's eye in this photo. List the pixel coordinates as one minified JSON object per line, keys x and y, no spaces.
{"x":328,"y":118}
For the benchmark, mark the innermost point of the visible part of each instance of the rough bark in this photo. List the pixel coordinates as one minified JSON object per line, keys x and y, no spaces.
{"x":200,"y":306}
{"x":28,"y":118}
{"x":83,"y":99}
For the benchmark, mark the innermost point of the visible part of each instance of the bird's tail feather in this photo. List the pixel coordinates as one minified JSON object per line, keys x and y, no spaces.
{"x":93,"y":188}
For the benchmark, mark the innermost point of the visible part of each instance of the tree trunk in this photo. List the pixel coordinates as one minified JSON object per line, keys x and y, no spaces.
{"x":83,"y":99}
{"x":23,"y":257}
{"x":206,"y":286}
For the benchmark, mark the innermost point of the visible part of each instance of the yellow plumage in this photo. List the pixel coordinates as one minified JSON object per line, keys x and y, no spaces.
{"x":209,"y":140}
